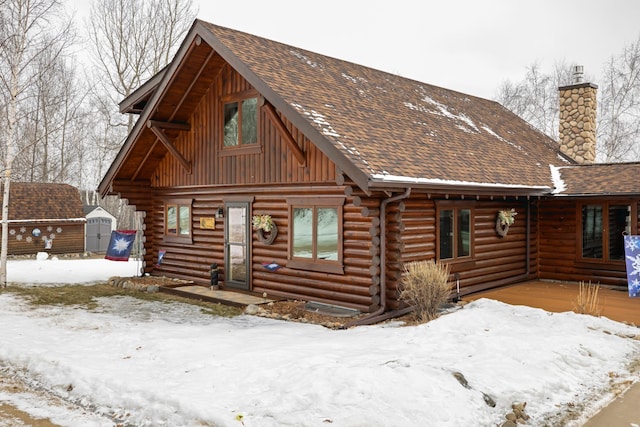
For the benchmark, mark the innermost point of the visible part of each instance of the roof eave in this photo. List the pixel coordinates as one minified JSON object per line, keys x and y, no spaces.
{"x":470,"y":188}
{"x":105,"y":186}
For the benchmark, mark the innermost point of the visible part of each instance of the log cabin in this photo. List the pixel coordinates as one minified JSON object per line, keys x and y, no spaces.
{"x":44,"y":217}
{"x":359,"y":172}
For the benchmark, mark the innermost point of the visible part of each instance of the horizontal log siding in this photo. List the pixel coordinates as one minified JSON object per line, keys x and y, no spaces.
{"x":559,"y":248}
{"x":497,"y":260}
{"x":69,"y":240}
{"x":355,"y":288}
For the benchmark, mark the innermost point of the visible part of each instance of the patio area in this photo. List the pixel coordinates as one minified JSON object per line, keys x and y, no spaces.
{"x":561,"y":296}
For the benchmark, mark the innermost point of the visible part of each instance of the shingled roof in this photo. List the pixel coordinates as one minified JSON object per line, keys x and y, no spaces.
{"x":31,"y":201}
{"x":381,"y":129}
{"x":612,"y":179}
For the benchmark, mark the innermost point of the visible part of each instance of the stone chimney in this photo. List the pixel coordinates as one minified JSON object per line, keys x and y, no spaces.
{"x":578,"y":119}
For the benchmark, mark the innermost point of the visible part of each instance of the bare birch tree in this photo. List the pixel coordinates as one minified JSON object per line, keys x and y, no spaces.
{"x":30,"y":28}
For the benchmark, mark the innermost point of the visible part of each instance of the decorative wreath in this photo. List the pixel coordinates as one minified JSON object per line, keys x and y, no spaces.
{"x":504,"y":219}
{"x":266,"y":229}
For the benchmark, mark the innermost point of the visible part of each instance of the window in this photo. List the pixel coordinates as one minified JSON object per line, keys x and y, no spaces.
{"x":178,"y":219}
{"x":240,"y":122}
{"x":315,"y":241}
{"x":603,"y":228}
{"x":454,"y":232}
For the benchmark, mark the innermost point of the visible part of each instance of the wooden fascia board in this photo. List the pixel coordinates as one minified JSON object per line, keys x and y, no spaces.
{"x":284,"y":133}
{"x":145,"y":91}
{"x":315,"y":136}
{"x":189,"y":41}
{"x":172,"y":148}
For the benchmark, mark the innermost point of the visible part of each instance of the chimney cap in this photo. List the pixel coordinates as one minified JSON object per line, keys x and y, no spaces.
{"x":578,"y":74}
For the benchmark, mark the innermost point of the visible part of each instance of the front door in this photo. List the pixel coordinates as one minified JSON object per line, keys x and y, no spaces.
{"x":237,"y":238}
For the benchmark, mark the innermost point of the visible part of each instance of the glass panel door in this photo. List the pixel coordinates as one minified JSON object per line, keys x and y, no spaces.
{"x":237,"y":233}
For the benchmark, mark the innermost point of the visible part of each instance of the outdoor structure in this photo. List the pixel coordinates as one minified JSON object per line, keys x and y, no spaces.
{"x":353,"y":172}
{"x":100,"y":224}
{"x":45,"y":217}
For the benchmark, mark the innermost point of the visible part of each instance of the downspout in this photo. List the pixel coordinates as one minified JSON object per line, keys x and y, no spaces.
{"x":378,"y":314}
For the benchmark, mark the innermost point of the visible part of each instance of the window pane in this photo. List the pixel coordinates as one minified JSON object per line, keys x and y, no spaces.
{"x":327,"y":234}
{"x":172,"y":219}
{"x":446,"y":234}
{"x":236,"y":218}
{"x":592,"y":231}
{"x":185,"y":218}
{"x":619,"y":224}
{"x":303,"y":232}
{"x":464,"y":232}
{"x":231,"y":124}
{"x":250,"y":121}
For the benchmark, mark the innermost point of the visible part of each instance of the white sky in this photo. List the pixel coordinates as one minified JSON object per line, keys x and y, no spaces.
{"x":159,"y":364}
{"x":466,"y":45}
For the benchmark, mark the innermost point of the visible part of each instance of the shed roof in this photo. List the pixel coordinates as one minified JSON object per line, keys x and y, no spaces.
{"x":29,"y":201}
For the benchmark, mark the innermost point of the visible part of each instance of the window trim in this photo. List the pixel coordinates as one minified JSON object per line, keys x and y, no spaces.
{"x":605,"y":204}
{"x":456,"y":207}
{"x":240,"y":148}
{"x":175,"y":237}
{"x":320,"y":265}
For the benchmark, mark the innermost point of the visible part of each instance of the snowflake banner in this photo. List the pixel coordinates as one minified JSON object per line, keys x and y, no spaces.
{"x":120,"y":245}
{"x":632,"y":258}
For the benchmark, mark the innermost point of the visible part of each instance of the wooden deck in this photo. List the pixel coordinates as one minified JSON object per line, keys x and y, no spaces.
{"x":561,"y":296}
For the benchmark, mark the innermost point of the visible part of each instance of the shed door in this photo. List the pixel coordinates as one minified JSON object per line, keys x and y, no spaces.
{"x":237,"y":238}
{"x":98,"y":234}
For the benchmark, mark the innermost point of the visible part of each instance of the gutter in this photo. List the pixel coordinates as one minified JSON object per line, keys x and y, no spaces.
{"x":379,"y":315}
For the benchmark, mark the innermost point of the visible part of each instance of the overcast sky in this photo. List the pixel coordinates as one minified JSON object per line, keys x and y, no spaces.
{"x":471,"y":46}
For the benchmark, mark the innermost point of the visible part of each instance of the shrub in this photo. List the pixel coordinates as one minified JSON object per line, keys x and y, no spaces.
{"x":587,"y":301}
{"x":425,"y":287}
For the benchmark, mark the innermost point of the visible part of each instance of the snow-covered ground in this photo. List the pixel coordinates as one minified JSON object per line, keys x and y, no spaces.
{"x":168,"y":364}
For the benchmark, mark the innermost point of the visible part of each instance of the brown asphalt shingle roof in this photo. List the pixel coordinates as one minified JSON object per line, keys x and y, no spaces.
{"x":598,"y":179}
{"x":388,"y":125}
{"x":39,"y":201}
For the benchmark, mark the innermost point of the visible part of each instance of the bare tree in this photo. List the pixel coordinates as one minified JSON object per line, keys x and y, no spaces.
{"x":535,"y":99}
{"x":134,"y":39}
{"x":619,"y":117}
{"x":30,"y":28}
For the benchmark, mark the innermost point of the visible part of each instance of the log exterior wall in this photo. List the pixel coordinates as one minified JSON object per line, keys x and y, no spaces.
{"x":270,"y":176}
{"x":559,"y":228}
{"x":67,"y":237}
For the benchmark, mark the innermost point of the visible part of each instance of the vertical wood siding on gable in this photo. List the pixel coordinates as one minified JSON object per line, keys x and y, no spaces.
{"x":201,"y":146}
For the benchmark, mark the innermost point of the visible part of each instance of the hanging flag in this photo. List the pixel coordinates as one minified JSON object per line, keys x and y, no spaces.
{"x":160,"y":257}
{"x":632,"y":258}
{"x":120,"y":245}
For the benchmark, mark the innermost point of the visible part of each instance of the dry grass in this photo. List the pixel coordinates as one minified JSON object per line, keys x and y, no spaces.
{"x":587,"y":301}
{"x":86,"y":297}
{"x":425,"y":287}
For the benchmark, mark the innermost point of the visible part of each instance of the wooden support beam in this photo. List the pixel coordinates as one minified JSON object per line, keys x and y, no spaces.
{"x":172,"y":149}
{"x":168,"y":125}
{"x":284,"y":133}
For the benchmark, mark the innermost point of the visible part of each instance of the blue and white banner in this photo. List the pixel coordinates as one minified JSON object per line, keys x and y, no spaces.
{"x":120,"y":245}
{"x":632,"y":259}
